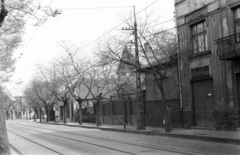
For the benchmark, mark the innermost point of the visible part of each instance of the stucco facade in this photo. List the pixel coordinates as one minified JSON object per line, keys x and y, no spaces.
{"x":208,"y":40}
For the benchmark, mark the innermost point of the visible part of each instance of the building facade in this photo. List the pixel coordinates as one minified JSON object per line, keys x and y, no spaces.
{"x":209,"y":50}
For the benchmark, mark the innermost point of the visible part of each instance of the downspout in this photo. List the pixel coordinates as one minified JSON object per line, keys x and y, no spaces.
{"x":179,"y":81}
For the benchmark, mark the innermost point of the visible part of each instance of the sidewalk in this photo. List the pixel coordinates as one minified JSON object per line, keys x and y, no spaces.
{"x":232,"y":137}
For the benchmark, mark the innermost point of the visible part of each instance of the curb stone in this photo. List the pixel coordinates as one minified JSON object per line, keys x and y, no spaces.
{"x":144,"y":132}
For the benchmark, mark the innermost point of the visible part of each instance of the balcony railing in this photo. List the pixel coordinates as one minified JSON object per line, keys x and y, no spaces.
{"x":229,"y":47}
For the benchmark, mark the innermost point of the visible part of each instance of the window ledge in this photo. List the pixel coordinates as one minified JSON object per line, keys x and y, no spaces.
{"x":199,"y":54}
{"x":179,"y":2}
{"x":201,"y":78}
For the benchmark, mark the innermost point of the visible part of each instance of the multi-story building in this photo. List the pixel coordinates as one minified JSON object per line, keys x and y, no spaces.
{"x":209,"y":45}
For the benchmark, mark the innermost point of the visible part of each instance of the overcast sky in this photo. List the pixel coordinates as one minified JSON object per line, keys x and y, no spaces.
{"x":81,"y":22}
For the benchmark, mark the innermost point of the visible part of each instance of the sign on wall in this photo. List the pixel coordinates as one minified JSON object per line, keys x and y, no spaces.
{"x":200,"y":72}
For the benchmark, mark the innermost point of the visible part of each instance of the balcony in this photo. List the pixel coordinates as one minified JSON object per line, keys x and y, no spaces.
{"x":229,"y":47}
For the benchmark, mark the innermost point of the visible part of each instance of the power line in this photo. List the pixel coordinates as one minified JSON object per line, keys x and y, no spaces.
{"x":118,"y":25}
{"x":98,"y":37}
{"x":95,"y":8}
{"x":161,"y":23}
{"x":161,"y":31}
{"x":34,"y":32}
{"x":149,"y":26}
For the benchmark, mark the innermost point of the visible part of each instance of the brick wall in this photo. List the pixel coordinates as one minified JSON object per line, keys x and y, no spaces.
{"x":112,"y":112}
{"x":227,"y":119}
{"x":118,"y":119}
{"x":187,"y":118}
{"x":155,"y":113}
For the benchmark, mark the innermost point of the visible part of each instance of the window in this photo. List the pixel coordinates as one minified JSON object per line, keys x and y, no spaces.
{"x":199,"y":37}
{"x":237,"y":22}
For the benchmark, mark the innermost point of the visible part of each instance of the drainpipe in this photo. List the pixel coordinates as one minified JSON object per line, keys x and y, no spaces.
{"x":179,"y":81}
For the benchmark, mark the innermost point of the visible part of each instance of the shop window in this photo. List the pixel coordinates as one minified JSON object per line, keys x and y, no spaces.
{"x":199,"y":37}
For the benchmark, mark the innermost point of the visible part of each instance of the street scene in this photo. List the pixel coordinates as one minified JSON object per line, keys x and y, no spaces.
{"x":120,"y":77}
{"x":28,"y":137}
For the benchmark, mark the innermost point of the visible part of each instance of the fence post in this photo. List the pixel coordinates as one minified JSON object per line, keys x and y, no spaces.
{"x":112,"y":108}
{"x":124,"y":110}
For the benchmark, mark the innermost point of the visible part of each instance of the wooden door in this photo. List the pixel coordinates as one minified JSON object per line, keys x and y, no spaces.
{"x":203,"y":100}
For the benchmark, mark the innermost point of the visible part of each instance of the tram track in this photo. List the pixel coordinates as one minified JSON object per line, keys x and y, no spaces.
{"x":99,"y":146}
{"x":105,"y":139}
{"x":18,"y":152}
{"x":15,"y":149}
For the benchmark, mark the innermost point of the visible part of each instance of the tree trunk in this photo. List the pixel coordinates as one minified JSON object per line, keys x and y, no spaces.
{"x":98,"y":113}
{"x":64,"y":115}
{"x":163,"y":100}
{"x":29,"y":114}
{"x":35,"y":114}
{"x":7,"y":115}
{"x":80,"y":113}
{"x":4,"y":145}
{"x":47,"y":114}
{"x":40,"y":115}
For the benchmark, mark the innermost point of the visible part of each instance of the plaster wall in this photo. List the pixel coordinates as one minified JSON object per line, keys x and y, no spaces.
{"x":188,"y":6}
{"x":199,"y":61}
{"x":170,"y":85}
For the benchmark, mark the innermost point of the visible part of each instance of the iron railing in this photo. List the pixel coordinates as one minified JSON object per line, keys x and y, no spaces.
{"x":229,"y":47}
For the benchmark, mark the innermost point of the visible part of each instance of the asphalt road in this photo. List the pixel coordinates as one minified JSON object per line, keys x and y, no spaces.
{"x":27,"y":137}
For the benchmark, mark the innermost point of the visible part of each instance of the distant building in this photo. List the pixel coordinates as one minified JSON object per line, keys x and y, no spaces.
{"x":154,"y":108}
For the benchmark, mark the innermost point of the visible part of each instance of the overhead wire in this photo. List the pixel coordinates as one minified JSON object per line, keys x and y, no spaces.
{"x":123,"y":23}
{"x":66,"y":9}
{"x":104,"y":33}
{"x":118,"y":25}
{"x":95,"y":8}
{"x":34,"y":32}
{"x":211,"y":14}
{"x":115,"y":28}
{"x":221,"y":10}
{"x":161,"y":31}
{"x":161,"y":23}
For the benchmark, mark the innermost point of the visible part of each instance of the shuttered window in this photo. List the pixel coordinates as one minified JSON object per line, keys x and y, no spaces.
{"x":199,"y":37}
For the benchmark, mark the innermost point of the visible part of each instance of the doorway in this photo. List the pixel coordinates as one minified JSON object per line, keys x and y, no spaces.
{"x":203,"y":102}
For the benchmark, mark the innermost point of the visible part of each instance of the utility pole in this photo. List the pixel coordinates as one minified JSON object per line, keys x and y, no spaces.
{"x":140,"y":109}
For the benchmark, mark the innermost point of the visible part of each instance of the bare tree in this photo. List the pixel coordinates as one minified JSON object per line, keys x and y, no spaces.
{"x":56,"y":85}
{"x":41,"y":91}
{"x":157,"y":54}
{"x":6,"y":101}
{"x":74,"y":74}
{"x":32,"y":100}
{"x":14,"y":15}
{"x":100,"y":82}
{"x":19,"y":12}
{"x":8,"y":106}
{"x":86,"y":80}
